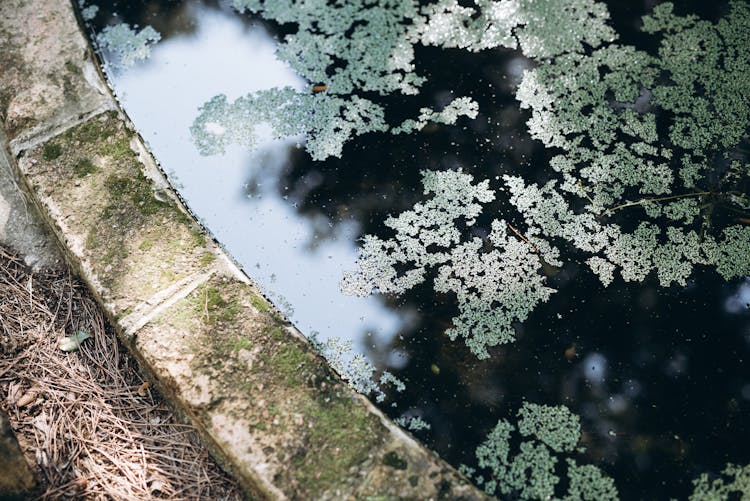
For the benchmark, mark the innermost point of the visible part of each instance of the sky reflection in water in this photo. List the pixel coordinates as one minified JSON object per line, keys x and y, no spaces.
{"x":263,"y":231}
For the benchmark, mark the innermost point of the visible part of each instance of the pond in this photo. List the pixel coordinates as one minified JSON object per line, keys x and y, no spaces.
{"x":610,"y":319}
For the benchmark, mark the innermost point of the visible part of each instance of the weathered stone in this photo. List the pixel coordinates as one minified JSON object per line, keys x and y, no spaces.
{"x":47,"y":77}
{"x":131,"y":236}
{"x":282,"y":421}
{"x":21,"y":229}
{"x":17,"y":481}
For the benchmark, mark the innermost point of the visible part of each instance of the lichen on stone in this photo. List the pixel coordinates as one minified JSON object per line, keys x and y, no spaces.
{"x":126,"y":45}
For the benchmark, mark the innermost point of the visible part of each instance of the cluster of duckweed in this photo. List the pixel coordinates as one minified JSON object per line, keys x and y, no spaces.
{"x":355,"y":368}
{"x":595,"y":103}
{"x":327,"y":121}
{"x":734,"y":484}
{"x":494,"y":289}
{"x":343,"y":50}
{"x":125,"y":44}
{"x":530,"y":470}
{"x":596,"y":110}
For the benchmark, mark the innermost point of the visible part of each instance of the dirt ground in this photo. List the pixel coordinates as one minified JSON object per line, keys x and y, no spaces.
{"x":87,"y":418}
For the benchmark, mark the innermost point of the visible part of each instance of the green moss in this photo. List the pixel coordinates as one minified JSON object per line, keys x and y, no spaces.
{"x":136,"y":190}
{"x":241,"y":343}
{"x":118,"y":149}
{"x":51,"y":151}
{"x":214,"y":307}
{"x":146,"y":245}
{"x":338,"y":432}
{"x":73,"y":68}
{"x":259,"y":303}
{"x":207,"y":258}
{"x":232,"y":344}
{"x":395,"y":461}
{"x":289,"y":360}
{"x":199,"y":239}
{"x":342,"y":436}
{"x":92,"y":130}
{"x":84,"y":167}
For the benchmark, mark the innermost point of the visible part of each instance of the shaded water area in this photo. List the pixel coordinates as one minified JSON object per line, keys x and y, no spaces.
{"x":660,"y":376}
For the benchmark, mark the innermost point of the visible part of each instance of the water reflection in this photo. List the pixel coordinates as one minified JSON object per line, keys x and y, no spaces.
{"x":739,"y":302}
{"x":659,"y":375}
{"x":278,"y":247}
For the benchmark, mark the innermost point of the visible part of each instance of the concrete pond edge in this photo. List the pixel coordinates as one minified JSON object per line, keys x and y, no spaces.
{"x":267,"y":405}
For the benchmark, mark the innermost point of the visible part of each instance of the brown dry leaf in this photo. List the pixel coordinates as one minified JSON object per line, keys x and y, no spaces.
{"x":27,"y":398}
{"x":143,"y":388}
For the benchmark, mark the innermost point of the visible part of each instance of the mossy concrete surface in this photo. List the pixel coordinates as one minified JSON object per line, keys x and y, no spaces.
{"x":131,"y":235}
{"x":271,"y":410}
{"x":294,"y":429}
{"x":48,"y":77}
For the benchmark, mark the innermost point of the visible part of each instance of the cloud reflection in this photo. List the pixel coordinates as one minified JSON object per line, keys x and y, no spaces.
{"x":264,"y":232}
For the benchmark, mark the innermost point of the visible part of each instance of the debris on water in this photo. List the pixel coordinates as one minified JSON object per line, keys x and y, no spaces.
{"x":570,"y":353}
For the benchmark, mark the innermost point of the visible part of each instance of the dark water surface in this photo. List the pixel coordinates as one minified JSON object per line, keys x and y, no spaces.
{"x":660,"y":376}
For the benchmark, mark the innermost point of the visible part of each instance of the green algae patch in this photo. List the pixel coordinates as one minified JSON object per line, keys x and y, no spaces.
{"x":133,"y":235}
{"x":84,"y":167}
{"x":260,"y":303}
{"x":51,"y":151}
